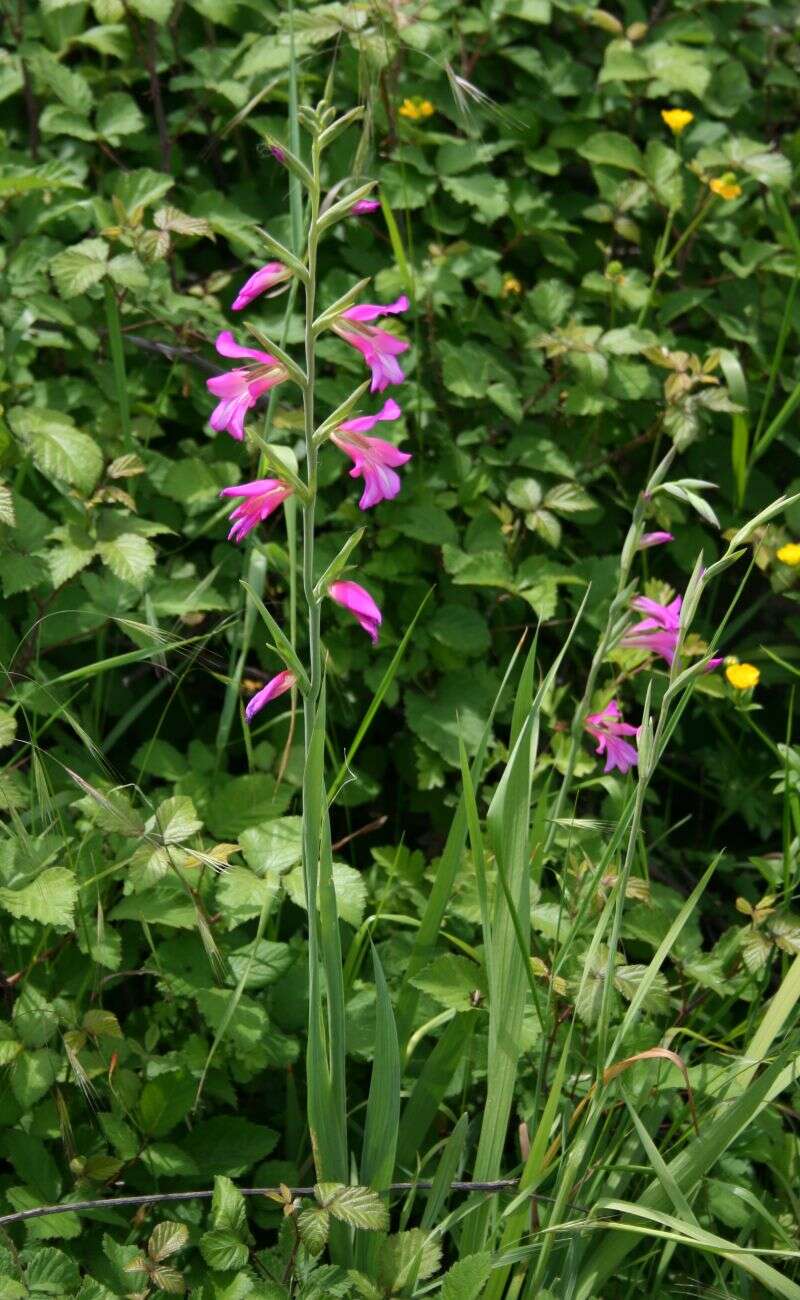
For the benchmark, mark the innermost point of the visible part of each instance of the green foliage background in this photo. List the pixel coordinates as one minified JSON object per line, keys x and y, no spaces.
{"x":148,"y":834}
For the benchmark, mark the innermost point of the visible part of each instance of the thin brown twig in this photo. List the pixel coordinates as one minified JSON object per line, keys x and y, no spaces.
{"x":151,"y":60}
{"x":374,"y":825}
{"x":155,"y":1198}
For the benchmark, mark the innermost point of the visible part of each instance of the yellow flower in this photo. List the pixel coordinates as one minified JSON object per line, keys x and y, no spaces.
{"x":789,"y":554}
{"x":677,"y":119}
{"x":416,"y":109}
{"x":510,"y":285}
{"x":743,"y":677}
{"x":725,"y":186}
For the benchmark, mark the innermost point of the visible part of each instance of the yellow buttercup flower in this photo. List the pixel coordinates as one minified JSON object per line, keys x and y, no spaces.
{"x":510,"y":285}
{"x":789,"y":554}
{"x":677,"y":119}
{"x":743,"y":677}
{"x":416,"y":109}
{"x":725,"y":186}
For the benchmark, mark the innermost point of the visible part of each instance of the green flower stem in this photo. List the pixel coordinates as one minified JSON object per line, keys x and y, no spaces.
{"x":663,"y":263}
{"x":315,"y":648}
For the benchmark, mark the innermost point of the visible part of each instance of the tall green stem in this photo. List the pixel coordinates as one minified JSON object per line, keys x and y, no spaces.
{"x":663,"y":263}
{"x":314,"y":645}
{"x":117,"y":350}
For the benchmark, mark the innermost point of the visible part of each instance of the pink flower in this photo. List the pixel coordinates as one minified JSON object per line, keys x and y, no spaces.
{"x":278,"y":153}
{"x":658,"y":632}
{"x":240,"y":389}
{"x":267,"y":276}
{"x":654,"y":539}
{"x":359,"y":602}
{"x":363,"y":206}
{"x":608,"y":729}
{"x":372,"y":457}
{"x":259,"y":499}
{"x":275,"y":686}
{"x":378,"y":347}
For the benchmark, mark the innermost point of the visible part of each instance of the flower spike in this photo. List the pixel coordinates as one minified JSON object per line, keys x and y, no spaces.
{"x":608,"y":730}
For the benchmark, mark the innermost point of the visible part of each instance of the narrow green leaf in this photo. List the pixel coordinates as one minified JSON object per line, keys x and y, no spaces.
{"x":291,"y":161}
{"x":341,"y":413}
{"x":283,"y":255}
{"x":438,"y":898}
{"x":396,"y":241}
{"x":295,"y":372}
{"x":341,"y":124}
{"x":383,"y":1103}
{"x":446,"y":1169}
{"x":431,"y":1084}
{"x":282,"y":644}
{"x":376,"y":701}
{"x":344,"y":207}
{"x":330,"y":313}
{"x":338,"y":563}
{"x":508,"y":824}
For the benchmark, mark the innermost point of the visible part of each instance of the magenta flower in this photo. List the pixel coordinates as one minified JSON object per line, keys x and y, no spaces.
{"x":259,"y":499}
{"x":654,"y":539}
{"x":372,"y":457}
{"x":378,"y":347}
{"x":275,"y":686}
{"x":278,"y":153}
{"x":265,"y":278}
{"x":657,"y":633}
{"x":240,"y":389}
{"x":359,"y":602}
{"x":363,"y":206}
{"x":607,"y":728}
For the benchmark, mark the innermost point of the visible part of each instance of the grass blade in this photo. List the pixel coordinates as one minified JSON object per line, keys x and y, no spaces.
{"x":434,"y":1078}
{"x":508,"y":822}
{"x":431,"y":922}
{"x":383,"y":1112}
{"x":376,"y":701}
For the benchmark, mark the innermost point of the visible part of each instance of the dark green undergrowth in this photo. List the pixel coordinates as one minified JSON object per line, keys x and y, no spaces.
{"x":587,"y":980}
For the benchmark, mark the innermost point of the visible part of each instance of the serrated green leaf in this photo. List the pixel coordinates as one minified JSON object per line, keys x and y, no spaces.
{"x":408,"y":1257}
{"x":50,"y":899}
{"x":78,"y":268}
{"x":58,"y":448}
{"x":130,"y":557}
{"x":118,"y":114}
{"x":467,"y":1278}
{"x":453,"y":982}
{"x":361,"y":1207}
{"x":167,"y":1239}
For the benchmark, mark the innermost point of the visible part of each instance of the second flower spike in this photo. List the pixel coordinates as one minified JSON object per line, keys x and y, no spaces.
{"x":609,"y":731}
